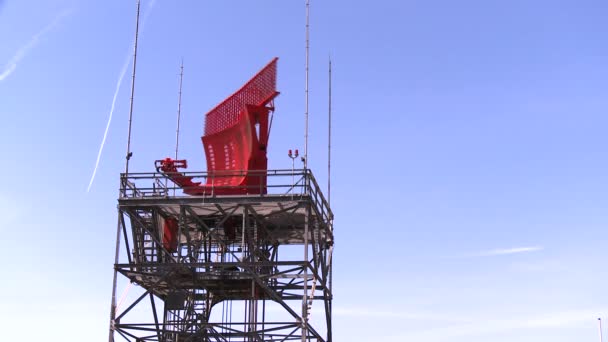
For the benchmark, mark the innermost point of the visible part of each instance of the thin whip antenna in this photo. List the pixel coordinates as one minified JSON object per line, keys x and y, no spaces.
{"x":306,"y":89}
{"x":329,"y":141}
{"x":129,"y":154}
{"x":179,"y":107}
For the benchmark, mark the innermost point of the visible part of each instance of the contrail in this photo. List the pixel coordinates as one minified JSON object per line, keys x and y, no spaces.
{"x":12,"y":64}
{"x":514,"y":250}
{"x":147,"y":13}
{"x":105,"y":134}
{"x":9,"y":70}
{"x":118,"y":84}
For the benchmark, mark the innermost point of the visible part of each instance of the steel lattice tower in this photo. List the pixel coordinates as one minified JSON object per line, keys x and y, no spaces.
{"x":243,"y":268}
{"x":237,"y":253}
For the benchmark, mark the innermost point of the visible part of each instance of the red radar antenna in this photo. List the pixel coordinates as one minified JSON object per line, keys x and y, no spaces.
{"x":235,"y":141}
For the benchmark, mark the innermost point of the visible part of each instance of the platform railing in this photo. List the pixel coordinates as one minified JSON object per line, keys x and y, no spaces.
{"x":293,"y":184}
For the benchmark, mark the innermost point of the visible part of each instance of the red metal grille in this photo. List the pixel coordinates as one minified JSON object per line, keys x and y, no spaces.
{"x":258,"y":91}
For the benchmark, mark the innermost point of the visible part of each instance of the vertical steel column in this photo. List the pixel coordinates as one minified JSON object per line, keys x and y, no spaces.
{"x":116,"y":257}
{"x":305,"y":298}
{"x":329,"y":326}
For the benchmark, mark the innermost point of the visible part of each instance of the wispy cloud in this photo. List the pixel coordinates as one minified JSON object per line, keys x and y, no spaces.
{"x":11,"y":66}
{"x":364,"y":312}
{"x":121,"y":76}
{"x":446,"y":326}
{"x":512,"y":250}
{"x":11,"y":209}
{"x":485,"y":326}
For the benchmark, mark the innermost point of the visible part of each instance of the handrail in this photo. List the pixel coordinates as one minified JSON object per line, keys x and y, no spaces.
{"x":279,"y":182}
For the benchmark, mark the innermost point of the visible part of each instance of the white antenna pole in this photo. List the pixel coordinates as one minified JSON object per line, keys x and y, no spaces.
{"x":129,"y":154}
{"x":179,"y":107}
{"x":329,"y":141}
{"x":306,"y":89}
{"x":600,"y":324}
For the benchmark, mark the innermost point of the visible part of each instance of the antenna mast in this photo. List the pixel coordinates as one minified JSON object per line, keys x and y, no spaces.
{"x":179,"y":107}
{"x":329,"y":141}
{"x":306,"y":90}
{"x":129,"y":154}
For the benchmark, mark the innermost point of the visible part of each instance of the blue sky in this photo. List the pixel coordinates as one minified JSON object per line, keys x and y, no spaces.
{"x":469,"y":172}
